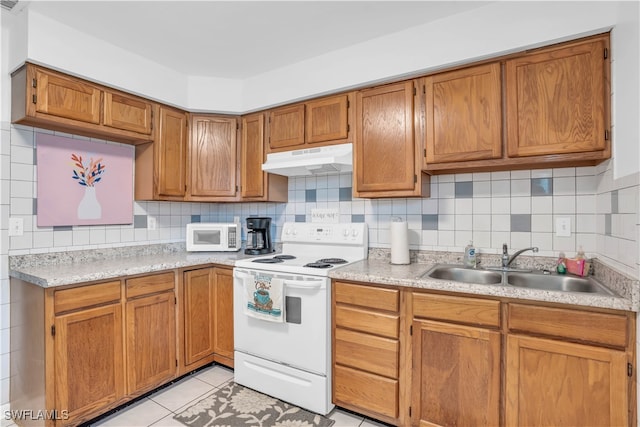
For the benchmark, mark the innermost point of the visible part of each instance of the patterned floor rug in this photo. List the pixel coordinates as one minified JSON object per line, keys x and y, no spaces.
{"x":235,"y":405}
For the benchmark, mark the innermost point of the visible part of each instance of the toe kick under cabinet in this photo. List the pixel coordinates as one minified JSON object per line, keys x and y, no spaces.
{"x":79,"y":351}
{"x":409,"y":356}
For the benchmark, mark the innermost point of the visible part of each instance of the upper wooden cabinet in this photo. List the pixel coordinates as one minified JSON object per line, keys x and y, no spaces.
{"x":557,"y":99}
{"x":556,"y":111}
{"x":213,"y":157}
{"x":463,"y":114}
{"x":385,"y":161}
{"x":323,"y":121}
{"x":160,"y":170}
{"x":255,"y":184}
{"x":45,"y":98}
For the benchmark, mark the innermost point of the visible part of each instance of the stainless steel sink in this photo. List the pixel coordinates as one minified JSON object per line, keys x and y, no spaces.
{"x":521,"y":279}
{"x":458,"y":273}
{"x":553,"y":282}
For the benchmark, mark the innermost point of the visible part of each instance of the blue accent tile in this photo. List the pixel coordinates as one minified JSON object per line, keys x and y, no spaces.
{"x":614,"y":202}
{"x":62,"y":228}
{"x":345,"y":194}
{"x":541,"y":186}
{"x":607,"y":224}
{"x":139,"y":221}
{"x":521,"y":222}
{"x":301,"y":218}
{"x":464,"y":190}
{"x":357,"y":218}
{"x":35,"y":207}
{"x":196,"y":218}
{"x":430,"y":222}
{"x":310,"y":195}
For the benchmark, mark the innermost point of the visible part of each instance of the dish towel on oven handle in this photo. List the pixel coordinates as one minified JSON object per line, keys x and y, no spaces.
{"x":264,"y":297}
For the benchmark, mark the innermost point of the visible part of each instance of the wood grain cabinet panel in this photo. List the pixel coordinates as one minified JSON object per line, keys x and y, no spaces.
{"x":557,"y":383}
{"x":456,"y":375}
{"x":385,"y":160}
{"x":255,"y":184}
{"x":327,"y":119}
{"x":557,"y":100}
{"x":199,"y":315}
{"x":286,"y":127}
{"x":223,"y":297}
{"x":169,"y":164}
{"x":464,"y":114}
{"x":476,"y":311}
{"x":53,"y":100}
{"x":86,"y":296}
{"x":127,"y":112}
{"x":151,"y":341}
{"x":366,"y":356}
{"x":89,"y":365}
{"x":213,"y":156}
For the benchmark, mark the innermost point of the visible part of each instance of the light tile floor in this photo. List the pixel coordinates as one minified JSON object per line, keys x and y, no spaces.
{"x":158,"y":409}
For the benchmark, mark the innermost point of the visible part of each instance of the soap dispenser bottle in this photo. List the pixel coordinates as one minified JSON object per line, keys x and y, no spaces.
{"x":469,"y":260}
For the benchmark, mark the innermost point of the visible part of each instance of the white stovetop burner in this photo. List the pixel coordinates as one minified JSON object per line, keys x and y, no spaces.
{"x":312,"y":242}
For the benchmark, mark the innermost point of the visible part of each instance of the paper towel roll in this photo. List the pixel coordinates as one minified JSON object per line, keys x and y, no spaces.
{"x":399,"y":242}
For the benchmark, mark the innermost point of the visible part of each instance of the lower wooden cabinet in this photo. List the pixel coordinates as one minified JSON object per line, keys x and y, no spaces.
{"x":150,"y":331}
{"x":81,"y":351}
{"x":207,"y":298}
{"x":89,"y":365}
{"x":423,"y":358}
{"x":366,"y":350}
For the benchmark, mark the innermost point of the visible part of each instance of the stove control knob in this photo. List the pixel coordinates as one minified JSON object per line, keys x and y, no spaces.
{"x":345,"y":232}
{"x":354,"y":232}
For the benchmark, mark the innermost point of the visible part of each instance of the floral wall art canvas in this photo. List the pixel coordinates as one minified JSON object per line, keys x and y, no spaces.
{"x":81,"y":182}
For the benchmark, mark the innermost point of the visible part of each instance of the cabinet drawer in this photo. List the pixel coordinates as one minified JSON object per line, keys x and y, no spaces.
{"x":86,"y":296}
{"x":457,"y":309}
{"x":367,"y":352}
{"x":367,"y":296}
{"x":150,"y":284}
{"x":601,"y":328}
{"x":364,"y":390}
{"x":371,"y":322}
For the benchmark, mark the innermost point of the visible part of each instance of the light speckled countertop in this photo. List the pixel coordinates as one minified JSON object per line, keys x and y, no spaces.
{"x":66,"y":268}
{"x":380,"y":271}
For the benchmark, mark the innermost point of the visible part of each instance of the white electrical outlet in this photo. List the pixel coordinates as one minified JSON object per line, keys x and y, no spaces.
{"x":563,"y":227}
{"x":16,"y":226}
{"x":152,"y":223}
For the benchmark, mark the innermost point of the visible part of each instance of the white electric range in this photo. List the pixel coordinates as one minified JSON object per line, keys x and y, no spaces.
{"x":291,"y":359}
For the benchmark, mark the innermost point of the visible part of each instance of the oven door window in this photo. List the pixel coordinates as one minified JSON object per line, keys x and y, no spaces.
{"x":207,"y":237}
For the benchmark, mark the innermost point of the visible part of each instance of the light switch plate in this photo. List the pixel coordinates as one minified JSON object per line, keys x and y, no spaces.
{"x":563,"y":227}
{"x":16,"y":226}
{"x":152,"y":223}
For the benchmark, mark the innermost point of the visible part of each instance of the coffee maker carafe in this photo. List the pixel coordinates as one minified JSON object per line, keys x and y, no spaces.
{"x":259,"y":236}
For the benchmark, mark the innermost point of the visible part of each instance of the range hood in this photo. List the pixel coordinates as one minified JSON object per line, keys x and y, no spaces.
{"x":311,"y":161}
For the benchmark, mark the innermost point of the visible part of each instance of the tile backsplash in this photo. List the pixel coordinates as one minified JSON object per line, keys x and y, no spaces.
{"x":519,"y":208}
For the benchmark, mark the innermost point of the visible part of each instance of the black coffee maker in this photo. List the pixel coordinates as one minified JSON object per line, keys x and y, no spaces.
{"x":259,"y":236}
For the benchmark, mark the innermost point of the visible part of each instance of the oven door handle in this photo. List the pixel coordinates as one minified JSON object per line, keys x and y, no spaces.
{"x":241,"y":276}
{"x":303,"y":284}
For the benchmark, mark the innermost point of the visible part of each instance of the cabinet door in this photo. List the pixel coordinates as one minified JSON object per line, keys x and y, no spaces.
{"x":213,"y":156}
{"x":127,"y":112}
{"x":64,"y":96}
{"x":384,"y":158}
{"x":171,"y":153}
{"x":253,"y":178}
{"x":89,"y":365}
{"x":223,"y":300}
{"x":327,"y":119}
{"x":199,"y":314}
{"x":286,"y":127}
{"x":456,"y":375}
{"x":464,"y":115}
{"x":151,"y":341}
{"x":556,"y":100}
{"x":558,"y":383}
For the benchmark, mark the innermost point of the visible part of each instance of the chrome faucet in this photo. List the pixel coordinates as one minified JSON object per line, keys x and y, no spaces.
{"x":507,"y":260}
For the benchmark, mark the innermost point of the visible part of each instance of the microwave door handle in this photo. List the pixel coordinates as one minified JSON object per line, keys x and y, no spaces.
{"x":304,"y":284}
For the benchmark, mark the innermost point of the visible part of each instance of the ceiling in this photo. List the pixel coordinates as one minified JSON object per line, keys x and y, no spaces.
{"x":240,"y":39}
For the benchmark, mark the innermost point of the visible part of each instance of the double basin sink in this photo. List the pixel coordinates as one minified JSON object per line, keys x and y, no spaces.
{"x":522,"y":279}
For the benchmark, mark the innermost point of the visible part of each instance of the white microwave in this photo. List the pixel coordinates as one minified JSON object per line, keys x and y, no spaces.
{"x":213,"y":237}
